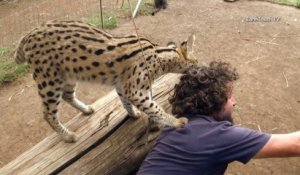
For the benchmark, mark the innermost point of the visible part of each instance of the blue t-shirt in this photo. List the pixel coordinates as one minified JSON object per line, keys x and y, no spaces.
{"x":204,"y":146}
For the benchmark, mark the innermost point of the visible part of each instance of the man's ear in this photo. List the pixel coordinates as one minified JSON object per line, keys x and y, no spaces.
{"x":172,"y":45}
{"x":187,"y":46}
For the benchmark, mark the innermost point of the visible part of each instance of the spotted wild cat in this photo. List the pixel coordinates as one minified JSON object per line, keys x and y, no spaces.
{"x":63,"y":52}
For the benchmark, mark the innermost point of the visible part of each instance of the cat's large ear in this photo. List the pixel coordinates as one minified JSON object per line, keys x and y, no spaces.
{"x":172,"y":45}
{"x":187,"y":47}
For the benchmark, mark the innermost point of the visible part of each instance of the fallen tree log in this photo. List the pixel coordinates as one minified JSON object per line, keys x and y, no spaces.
{"x":109,"y":141}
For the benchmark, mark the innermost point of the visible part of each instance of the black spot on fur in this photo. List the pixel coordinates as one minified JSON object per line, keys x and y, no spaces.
{"x":42,"y":95}
{"x":54,"y":111}
{"x":76,"y":35}
{"x":44,"y":84}
{"x":134,"y":69}
{"x":141,"y":64}
{"x":34,"y":46}
{"x":57,"y":25}
{"x":46,"y":104}
{"x":102,"y":73}
{"x":51,"y":83}
{"x":83,"y":57}
{"x":37,"y":70}
{"x":75,"y":70}
{"x":83,"y":47}
{"x":96,"y":64}
{"x":148,"y":58}
{"x":51,"y":101}
{"x":99,"y":51}
{"x":40,"y":86}
{"x":67,"y":37}
{"x":50,"y":94}
{"x":111,"y":47}
{"x":109,"y":64}
{"x":151,"y":105}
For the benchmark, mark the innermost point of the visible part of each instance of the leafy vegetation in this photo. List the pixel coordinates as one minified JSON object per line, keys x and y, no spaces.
{"x":289,"y":2}
{"x":9,"y":70}
{"x":3,"y":50}
{"x":145,"y":9}
{"x":109,"y":20}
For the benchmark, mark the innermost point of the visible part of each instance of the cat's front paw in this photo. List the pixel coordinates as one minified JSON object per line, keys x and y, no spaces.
{"x":135,"y":113}
{"x":180,"y":122}
{"x":70,"y":137}
{"x":88,"y":110}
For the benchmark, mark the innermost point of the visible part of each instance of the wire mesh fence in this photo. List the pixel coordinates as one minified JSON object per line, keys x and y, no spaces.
{"x":24,"y":19}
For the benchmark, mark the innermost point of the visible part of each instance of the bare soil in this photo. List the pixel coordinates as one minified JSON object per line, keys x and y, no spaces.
{"x":266,"y":55}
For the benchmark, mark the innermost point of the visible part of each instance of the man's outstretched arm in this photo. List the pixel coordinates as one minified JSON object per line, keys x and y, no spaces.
{"x":281,"y":145}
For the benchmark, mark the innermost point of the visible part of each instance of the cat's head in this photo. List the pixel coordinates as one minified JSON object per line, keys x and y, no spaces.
{"x":185,"y":51}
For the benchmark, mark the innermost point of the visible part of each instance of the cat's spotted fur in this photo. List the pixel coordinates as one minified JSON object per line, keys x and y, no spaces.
{"x":63,"y":52}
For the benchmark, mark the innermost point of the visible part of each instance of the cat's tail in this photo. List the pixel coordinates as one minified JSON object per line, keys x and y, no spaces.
{"x":20,"y":54}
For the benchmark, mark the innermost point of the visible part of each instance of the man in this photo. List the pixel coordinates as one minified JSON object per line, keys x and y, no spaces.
{"x":210,"y":141}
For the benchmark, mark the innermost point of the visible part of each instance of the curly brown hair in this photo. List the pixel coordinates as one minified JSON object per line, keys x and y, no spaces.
{"x":203,"y":90}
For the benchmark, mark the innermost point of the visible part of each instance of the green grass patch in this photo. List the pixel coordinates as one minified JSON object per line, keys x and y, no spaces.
{"x":3,"y":51}
{"x":9,"y":70}
{"x":146,"y":8}
{"x":109,"y":20}
{"x":289,"y":2}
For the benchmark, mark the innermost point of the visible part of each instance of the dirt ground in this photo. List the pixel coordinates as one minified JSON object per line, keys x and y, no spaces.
{"x":265,"y":51}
